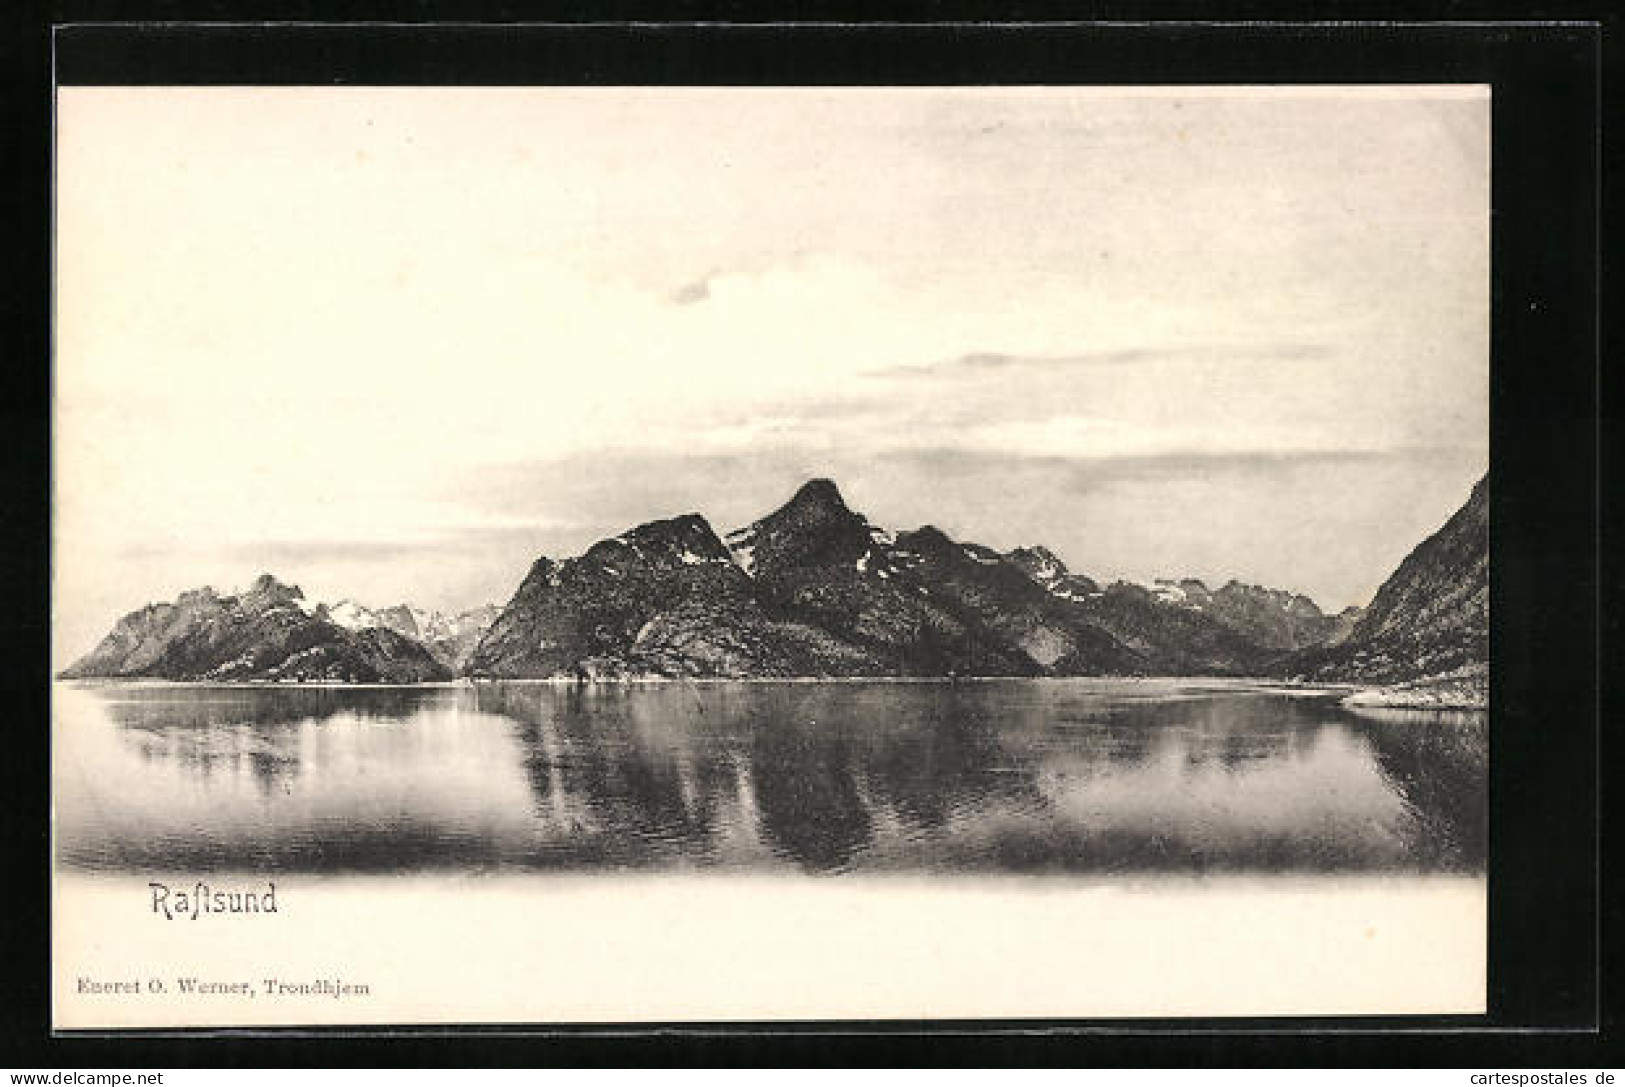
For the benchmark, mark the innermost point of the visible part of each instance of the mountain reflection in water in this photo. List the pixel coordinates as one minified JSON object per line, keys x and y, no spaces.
{"x":1083,"y":776}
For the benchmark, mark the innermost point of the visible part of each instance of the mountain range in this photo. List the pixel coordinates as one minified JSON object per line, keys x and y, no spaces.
{"x":814,"y":589}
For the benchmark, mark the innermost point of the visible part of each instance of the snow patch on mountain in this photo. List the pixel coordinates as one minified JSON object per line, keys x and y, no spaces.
{"x":981,"y":555}
{"x":352,"y":616}
{"x":1168,"y":591}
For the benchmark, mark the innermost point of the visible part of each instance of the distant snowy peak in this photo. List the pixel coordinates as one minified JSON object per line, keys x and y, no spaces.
{"x":350,"y":615}
{"x":438,"y":625}
{"x":1168,"y":591}
{"x":422,"y":624}
{"x":1274,"y":618}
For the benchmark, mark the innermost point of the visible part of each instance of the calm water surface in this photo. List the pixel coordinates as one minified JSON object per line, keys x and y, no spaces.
{"x":1078,"y":776}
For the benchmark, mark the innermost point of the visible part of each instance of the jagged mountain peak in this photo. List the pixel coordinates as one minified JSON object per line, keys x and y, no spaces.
{"x":815,"y":525}
{"x":687,"y":540}
{"x":267,"y":594}
{"x":200,"y":597}
{"x":816,"y":503}
{"x":683,"y":526}
{"x":925,"y":538}
{"x":1286,"y":600}
{"x":1046,"y":568}
{"x":403,"y":618}
{"x":268,"y":585}
{"x":820,"y":492}
{"x":1037,"y":560}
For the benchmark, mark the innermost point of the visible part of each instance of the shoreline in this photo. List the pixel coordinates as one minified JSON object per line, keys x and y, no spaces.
{"x":1447,"y":693}
{"x":1284,"y":686}
{"x":1464,"y":689}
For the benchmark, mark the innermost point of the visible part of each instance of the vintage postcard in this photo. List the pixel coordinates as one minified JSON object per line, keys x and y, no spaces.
{"x":625,"y":555}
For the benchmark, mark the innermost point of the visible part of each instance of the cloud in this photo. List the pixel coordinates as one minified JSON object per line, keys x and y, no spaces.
{"x":1003,"y":363}
{"x":988,"y":361}
{"x":690,"y":293}
{"x":477,"y":534}
{"x":611,"y":491}
{"x":1085,"y":473}
{"x":274,"y":553}
{"x":1068,"y":435}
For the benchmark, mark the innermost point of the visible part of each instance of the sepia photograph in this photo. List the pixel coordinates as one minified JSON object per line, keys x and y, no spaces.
{"x":733,"y":554}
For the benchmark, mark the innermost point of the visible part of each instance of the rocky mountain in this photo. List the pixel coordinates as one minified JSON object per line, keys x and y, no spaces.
{"x":665,"y":598}
{"x":996,"y":596}
{"x":815,"y":589}
{"x":1040,"y":564}
{"x":816,"y":562}
{"x":1430,"y":618}
{"x":1171,"y":627}
{"x":270,"y":632}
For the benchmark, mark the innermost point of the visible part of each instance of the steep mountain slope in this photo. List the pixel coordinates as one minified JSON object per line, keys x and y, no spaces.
{"x":1431,"y":617}
{"x":991,"y":593}
{"x":270,"y":632}
{"x":665,"y":598}
{"x":1171,"y":628}
{"x":1041,"y":565}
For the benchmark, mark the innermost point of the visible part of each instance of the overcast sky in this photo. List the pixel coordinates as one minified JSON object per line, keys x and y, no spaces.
{"x":392,"y":344}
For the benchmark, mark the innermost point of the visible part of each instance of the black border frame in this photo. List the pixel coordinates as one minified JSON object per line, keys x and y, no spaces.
{"x":1546,"y":499}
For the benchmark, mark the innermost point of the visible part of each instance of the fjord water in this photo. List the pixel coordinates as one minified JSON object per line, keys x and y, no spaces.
{"x":1021,"y":776}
